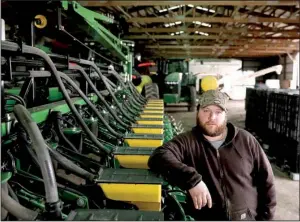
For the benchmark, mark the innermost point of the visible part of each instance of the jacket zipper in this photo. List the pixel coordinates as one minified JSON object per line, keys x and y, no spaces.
{"x":222,"y":184}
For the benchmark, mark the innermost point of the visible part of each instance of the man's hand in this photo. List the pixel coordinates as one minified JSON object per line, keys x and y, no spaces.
{"x":200,"y":196}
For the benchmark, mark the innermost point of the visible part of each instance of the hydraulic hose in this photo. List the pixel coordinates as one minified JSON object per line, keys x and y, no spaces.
{"x":4,"y":212}
{"x":69,"y":165}
{"x":10,"y":46}
{"x":136,"y":93}
{"x":16,"y":209}
{"x":82,"y":71}
{"x":68,"y":79}
{"x":92,"y":64}
{"x":24,"y":140}
{"x":12,"y":193}
{"x":40,"y":147}
{"x":15,"y":97}
{"x":131,"y":111}
{"x":135,"y":98}
{"x":56,"y":120}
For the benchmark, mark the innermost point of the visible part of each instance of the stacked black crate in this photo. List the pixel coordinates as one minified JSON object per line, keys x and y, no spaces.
{"x":284,"y":129}
{"x":273,"y":115}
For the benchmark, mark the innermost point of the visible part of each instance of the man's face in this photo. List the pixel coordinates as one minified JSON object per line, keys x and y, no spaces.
{"x":212,"y":120}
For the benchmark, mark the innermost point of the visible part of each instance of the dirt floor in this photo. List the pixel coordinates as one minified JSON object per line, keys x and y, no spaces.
{"x":287,"y":190}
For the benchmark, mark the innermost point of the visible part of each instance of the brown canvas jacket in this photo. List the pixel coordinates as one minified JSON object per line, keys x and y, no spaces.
{"x":238,"y":174}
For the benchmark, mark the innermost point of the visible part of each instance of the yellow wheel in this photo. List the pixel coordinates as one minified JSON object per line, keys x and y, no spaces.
{"x":209,"y":83}
{"x":40,"y":21}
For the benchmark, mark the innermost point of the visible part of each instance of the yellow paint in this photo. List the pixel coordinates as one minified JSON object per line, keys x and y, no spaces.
{"x":149,"y":122}
{"x":148,"y":130}
{"x":156,"y":100}
{"x":152,"y":116}
{"x":153,"y":111}
{"x":153,"y":108}
{"x":154,"y":105}
{"x":144,"y":196}
{"x":143,"y":142}
{"x":209,"y":83}
{"x":133,"y":161}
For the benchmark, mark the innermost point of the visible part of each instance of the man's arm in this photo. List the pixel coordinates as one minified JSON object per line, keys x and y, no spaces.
{"x":265,"y":185}
{"x":168,"y":159}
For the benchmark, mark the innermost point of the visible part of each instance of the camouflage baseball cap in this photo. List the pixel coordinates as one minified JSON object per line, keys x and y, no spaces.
{"x":213,"y":97}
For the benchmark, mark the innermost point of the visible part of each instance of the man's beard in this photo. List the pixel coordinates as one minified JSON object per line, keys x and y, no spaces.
{"x":217,"y":131}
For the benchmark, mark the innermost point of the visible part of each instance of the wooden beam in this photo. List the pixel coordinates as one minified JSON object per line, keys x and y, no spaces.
{"x":162,"y":52}
{"x":213,"y":56}
{"x":214,"y":30}
{"x":266,"y":47}
{"x":211,"y":20}
{"x":196,"y":3}
{"x":236,"y":42}
{"x":132,"y":37}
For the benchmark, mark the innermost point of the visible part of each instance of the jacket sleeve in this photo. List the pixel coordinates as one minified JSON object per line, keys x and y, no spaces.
{"x":265,"y":185}
{"x":168,"y":159}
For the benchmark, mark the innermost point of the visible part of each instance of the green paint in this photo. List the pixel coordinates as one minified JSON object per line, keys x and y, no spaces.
{"x":46,"y":49}
{"x":32,"y":201}
{"x":55,"y":94}
{"x":70,"y":196}
{"x":40,"y":114}
{"x":86,"y":13}
{"x":5,"y":176}
{"x":71,"y":131}
{"x":14,"y":91}
{"x":173,"y":77}
{"x":100,"y":34}
{"x":171,"y":98}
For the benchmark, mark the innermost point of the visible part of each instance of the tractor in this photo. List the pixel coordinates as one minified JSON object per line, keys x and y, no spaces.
{"x":179,"y":84}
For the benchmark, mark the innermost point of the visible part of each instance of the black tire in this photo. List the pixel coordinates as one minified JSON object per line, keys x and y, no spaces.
{"x":151,"y":91}
{"x":193,"y":95}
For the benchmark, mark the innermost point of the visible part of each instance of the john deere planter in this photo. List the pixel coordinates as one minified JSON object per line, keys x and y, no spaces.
{"x":75,"y":143}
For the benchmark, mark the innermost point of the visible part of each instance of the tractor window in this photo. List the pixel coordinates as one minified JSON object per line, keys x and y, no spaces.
{"x":176,"y":66}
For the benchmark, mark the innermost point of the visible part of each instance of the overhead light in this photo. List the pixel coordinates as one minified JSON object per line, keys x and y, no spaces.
{"x":163,"y":10}
{"x":206,"y":9}
{"x":177,"y":33}
{"x":172,"y":24}
{"x":202,"y":23}
{"x":201,"y":33}
{"x":171,"y":8}
{"x":190,"y":5}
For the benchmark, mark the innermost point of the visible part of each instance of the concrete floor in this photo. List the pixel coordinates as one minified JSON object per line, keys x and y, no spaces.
{"x":287,"y":191}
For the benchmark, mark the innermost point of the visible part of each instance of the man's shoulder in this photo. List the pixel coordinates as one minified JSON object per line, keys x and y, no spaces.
{"x":243,"y":133}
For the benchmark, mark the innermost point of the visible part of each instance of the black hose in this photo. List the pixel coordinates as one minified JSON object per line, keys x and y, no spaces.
{"x":136,"y":93}
{"x":40,"y":147}
{"x":12,"y":193}
{"x":15,"y":97}
{"x":69,"y":165}
{"x":16,"y":209}
{"x":91,"y":105}
{"x":56,"y":120}
{"x":10,"y":46}
{"x":126,"y":108}
{"x":4,"y":212}
{"x":115,"y":74}
{"x":93,"y":65}
{"x":82,"y":71}
{"x":24,"y":140}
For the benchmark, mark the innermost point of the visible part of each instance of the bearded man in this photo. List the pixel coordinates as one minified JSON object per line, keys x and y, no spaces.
{"x":223,"y":168}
